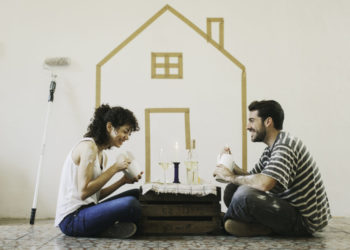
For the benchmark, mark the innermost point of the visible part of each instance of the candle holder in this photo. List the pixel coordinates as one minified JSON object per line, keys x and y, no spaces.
{"x":176,"y":172}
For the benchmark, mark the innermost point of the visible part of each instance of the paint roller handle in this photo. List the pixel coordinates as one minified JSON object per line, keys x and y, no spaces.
{"x":52,"y":90}
{"x":32,"y":216}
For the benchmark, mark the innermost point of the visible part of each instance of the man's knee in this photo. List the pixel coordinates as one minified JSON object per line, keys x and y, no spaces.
{"x":230,"y":189}
{"x":246,"y":197}
{"x":241,"y":204}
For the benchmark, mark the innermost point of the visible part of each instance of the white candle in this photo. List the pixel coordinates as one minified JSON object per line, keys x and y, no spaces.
{"x":176,"y":152}
{"x":161,"y":155}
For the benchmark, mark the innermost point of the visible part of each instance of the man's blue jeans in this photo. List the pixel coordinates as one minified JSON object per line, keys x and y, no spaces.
{"x":251,"y":205}
{"x":93,"y":219}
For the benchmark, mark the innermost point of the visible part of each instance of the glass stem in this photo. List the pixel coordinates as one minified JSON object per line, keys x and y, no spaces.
{"x":164,"y":176}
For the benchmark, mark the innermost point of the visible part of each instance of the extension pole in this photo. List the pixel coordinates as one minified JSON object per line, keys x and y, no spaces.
{"x":42,"y":151}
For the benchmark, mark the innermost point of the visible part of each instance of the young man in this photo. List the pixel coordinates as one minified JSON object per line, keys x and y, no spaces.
{"x":284,"y":192}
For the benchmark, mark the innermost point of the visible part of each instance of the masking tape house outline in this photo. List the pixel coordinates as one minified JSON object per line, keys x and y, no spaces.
{"x":207,"y":36}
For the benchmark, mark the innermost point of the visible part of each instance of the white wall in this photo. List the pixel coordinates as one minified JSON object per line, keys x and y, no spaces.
{"x":296,"y":52}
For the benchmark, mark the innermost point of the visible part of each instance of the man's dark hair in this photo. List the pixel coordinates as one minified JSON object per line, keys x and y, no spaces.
{"x":269,"y":108}
{"x":118,"y":116}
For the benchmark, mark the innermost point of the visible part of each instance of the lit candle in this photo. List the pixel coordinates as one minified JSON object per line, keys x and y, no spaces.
{"x":176,"y":152}
{"x":161,"y":155}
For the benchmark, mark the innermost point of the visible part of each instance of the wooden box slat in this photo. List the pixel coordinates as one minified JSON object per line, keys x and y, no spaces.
{"x":180,"y":210}
{"x":180,"y":214}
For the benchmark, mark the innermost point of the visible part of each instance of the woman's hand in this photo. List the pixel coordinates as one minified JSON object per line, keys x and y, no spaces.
{"x":121,"y":165}
{"x":128,"y":180}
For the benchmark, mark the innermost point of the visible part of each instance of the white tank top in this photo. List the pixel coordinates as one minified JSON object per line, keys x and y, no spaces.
{"x":68,"y":197}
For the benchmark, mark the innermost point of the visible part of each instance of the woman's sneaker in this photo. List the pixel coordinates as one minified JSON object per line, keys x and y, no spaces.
{"x":121,"y":230}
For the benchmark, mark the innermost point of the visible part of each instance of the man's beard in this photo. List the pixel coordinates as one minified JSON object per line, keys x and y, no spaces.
{"x":260,"y":135}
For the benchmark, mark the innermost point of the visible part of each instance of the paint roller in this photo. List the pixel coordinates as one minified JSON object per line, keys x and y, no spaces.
{"x":50,"y":64}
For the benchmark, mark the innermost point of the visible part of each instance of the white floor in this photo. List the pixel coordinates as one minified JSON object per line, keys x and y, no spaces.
{"x":19,"y":234}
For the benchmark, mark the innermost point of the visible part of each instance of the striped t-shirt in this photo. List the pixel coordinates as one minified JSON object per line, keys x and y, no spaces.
{"x":299,"y":181}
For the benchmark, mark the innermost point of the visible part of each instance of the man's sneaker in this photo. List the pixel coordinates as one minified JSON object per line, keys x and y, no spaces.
{"x":121,"y":230}
{"x":244,"y":229}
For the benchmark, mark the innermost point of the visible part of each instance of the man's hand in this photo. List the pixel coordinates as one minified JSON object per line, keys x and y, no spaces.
{"x":221,"y":172}
{"x":225,"y":150}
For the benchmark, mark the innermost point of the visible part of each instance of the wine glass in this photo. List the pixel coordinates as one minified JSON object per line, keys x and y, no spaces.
{"x":163,"y":163}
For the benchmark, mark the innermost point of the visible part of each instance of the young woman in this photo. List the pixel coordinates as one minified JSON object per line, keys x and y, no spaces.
{"x":79,"y":212}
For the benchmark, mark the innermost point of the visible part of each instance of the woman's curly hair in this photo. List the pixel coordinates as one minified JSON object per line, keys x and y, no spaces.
{"x":118,"y":116}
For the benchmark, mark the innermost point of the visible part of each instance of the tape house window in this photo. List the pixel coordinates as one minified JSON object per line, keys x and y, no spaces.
{"x":167,"y":65}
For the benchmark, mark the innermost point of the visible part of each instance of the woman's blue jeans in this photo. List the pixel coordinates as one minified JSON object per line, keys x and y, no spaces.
{"x":91,"y":220}
{"x":251,"y":205}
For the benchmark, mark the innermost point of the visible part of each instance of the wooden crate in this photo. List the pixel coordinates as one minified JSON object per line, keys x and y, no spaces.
{"x":180,"y":214}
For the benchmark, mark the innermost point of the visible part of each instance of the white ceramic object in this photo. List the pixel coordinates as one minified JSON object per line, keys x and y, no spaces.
{"x":133,"y":170}
{"x":227,"y":161}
